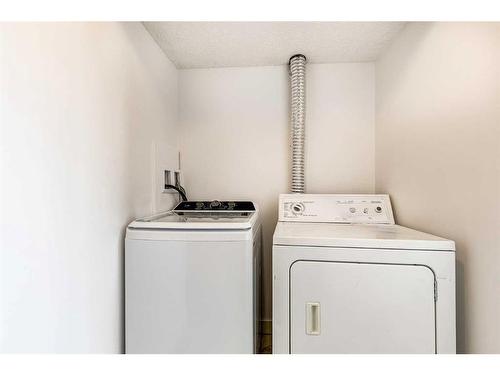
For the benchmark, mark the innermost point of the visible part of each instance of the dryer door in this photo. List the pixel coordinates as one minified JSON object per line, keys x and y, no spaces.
{"x":342,"y":307}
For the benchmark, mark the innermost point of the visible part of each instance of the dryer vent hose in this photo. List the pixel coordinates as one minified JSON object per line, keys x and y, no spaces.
{"x":297,"y":69}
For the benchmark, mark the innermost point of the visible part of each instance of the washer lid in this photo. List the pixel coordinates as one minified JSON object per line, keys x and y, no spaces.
{"x":383,"y":236}
{"x":196,"y":220}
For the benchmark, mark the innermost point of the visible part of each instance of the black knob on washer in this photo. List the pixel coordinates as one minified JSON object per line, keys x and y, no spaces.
{"x":215,"y":204}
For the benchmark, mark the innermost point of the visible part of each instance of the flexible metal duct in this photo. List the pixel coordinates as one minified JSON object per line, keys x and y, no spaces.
{"x":297,"y":66}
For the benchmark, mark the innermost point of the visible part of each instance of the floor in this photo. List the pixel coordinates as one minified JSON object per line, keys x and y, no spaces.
{"x":266,"y":337}
{"x":266,"y":344}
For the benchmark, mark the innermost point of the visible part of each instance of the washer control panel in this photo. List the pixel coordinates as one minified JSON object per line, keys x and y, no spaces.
{"x":197,"y":206}
{"x":336,"y":208}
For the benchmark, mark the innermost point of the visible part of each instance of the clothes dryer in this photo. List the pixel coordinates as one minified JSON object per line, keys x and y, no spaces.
{"x":347,"y":279}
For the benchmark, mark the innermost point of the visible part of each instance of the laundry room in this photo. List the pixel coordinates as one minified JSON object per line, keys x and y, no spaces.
{"x":250,"y":187}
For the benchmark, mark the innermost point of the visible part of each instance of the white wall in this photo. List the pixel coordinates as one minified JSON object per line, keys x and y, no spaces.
{"x":438,"y":155}
{"x":80,"y":107}
{"x":234,"y":125}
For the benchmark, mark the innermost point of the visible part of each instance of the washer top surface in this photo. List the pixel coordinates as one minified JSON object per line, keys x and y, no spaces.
{"x":381,"y":236}
{"x":196,"y":216}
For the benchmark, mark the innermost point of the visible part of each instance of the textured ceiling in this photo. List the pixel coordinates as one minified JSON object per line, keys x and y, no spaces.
{"x":219,"y":44}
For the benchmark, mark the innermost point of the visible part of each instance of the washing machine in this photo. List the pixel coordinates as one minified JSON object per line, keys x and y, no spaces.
{"x":192,"y":279}
{"x":347,"y":279}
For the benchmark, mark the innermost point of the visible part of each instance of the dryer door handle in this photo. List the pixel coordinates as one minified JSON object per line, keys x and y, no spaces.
{"x":313,"y":318}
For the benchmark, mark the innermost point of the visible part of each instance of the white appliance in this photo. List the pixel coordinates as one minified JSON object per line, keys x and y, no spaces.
{"x":191,"y":280}
{"x":347,"y":279}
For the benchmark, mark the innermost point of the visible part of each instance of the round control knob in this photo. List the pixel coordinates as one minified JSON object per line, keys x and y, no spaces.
{"x":378,"y":209}
{"x":297,"y":208}
{"x":215,"y":204}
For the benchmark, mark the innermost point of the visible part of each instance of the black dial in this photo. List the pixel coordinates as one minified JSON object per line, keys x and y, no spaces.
{"x":215,"y":204}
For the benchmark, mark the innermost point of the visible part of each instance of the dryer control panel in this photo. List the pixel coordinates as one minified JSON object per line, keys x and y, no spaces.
{"x":336,"y":208}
